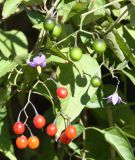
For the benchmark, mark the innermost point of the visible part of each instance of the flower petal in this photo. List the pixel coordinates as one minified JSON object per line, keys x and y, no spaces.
{"x":32,"y":64}
{"x":115,"y":98}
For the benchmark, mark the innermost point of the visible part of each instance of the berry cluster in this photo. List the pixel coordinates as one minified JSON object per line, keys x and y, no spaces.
{"x":68,"y":135}
{"x":32,"y":142}
{"x":52,"y":26}
{"x":39,"y":122}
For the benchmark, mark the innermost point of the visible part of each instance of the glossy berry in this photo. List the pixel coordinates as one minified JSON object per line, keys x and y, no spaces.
{"x":39,"y":121}
{"x":71,"y":132}
{"x":64,"y":139}
{"x":62,"y":92}
{"x":99,"y":45}
{"x":33,"y":142}
{"x":51,"y":130}
{"x":49,"y":23}
{"x":19,"y":128}
{"x":76,"y":54}
{"x":96,"y":81}
{"x":21,"y":142}
{"x":57,"y":30}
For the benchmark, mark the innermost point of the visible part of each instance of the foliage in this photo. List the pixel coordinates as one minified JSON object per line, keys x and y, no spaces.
{"x":103,"y":116}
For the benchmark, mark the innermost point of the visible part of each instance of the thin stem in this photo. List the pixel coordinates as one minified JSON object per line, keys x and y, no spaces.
{"x":51,"y":79}
{"x":99,"y":68}
{"x":29,"y":130}
{"x":44,"y":85}
{"x":28,"y":102}
{"x":51,"y":97}
{"x":33,"y":107}
{"x":115,"y":22}
{"x":94,"y":10}
{"x":94,"y":128}
{"x":64,"y":39}
{"x":90,"y":4}
{"x":26,"y":116}
{"x":84,"y":145}
{"x":82,"y":30}
{"x":19,"y":115}
{"x":53,"y":7}
{"x":76,"y":39}
{"x":110,"y":119}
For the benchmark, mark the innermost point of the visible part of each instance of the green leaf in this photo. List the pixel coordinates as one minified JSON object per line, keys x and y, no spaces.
{"x":32,"y":3}
{"x":6,"y":66}
{"x":117,"y":139}
{"x":93,"y":16}
{"x":95,"y":102}
{"x":130,"y":74}
{"x":4,"y":96}
{"x":79,"y":88}
{"x":96,"y":15}
{"x":10,"y":7}
{"x":132,"y":16}
{"x":1,"y":1}
{"x":79,"y":129}
{"x":113,"y":45}
{"x":74,"y":147}
{"x":54,"y":58}
{"x":13,"y":43}
{"x":64,"y":9}
{"x":5,"y":142}
{"x":124,"y":48}
{"x":97,"y":147}
{"x":133,"y":2}
{"x":35,"y":17}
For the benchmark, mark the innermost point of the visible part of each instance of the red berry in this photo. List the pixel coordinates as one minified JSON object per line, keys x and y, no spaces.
{"x":70,"y":132}
{"x":62,"y":92}
{"x":19,"y":128}
{"x":21,"y":142}
{"x":33,"y":142}
{"x":39,"y":121}
{"x":51,"y":129}
{"x":64,"y":139}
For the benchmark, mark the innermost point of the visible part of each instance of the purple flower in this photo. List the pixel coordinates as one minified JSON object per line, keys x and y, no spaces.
{"x":39,"y":60}
{"x":114,"y":98}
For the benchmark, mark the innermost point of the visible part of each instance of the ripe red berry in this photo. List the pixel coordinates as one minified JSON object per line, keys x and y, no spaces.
{"x":64,"y":139}
{"x":51,"y":130}
{"x":62,"y":92}
{"x":71,"y":132}
{"x":33,"y":142}
{"x":19,"y":128}
{"x":21,"y":142}
{"x":39,"y":121}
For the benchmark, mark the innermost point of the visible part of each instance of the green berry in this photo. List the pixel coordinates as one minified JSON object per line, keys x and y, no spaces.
{"x":76,"y":54}
{"x":99,"y":45}
{"x":49,"y":23}
{"x":96,"y":81}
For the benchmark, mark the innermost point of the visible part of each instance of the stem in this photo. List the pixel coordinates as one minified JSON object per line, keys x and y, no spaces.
{"x":110,"y":119}
{"x":94,"y":10}
{"x":82,"y":30}
{"x":33,"y":107}
{"x":28,"y":102}
{"x":53,"y":7}
{"x":19,"y":115}
{"x":64,"y":39}
{"x":115,"y":22}
{"x":84,"y":145}
{"x":94,"y":128}
{"x":76,"y":39}
{"x":29,"y":130}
